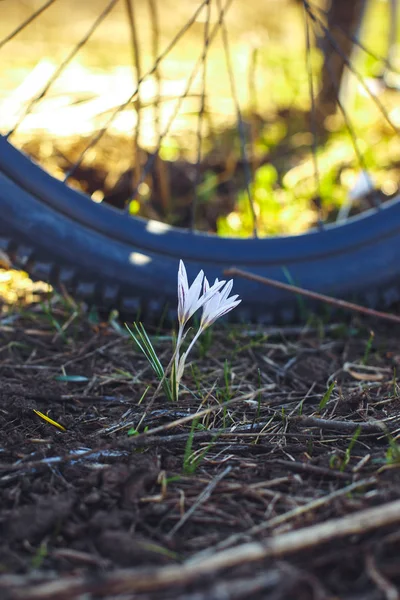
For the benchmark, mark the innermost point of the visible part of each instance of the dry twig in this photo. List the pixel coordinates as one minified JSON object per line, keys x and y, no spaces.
{"x":313,"y":295}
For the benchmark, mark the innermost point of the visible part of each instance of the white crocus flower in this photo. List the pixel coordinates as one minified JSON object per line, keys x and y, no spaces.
{"x":190,"y":300}
{"x":215,"y":301}
{"x":217,"y":305}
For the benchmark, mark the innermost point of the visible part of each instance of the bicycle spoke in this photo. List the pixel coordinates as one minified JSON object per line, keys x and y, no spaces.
{"x":351,"y":132}
{"x":385,"y":60}
{"x":242,"y":135}
{"x":159,"y":164}
{"x":350,"y":66}
{"x":253,"y":107}
{"x":313,"y":116}
{"x":375,"y":202}
{"x":200,"y":119}
{"x":25,"y":23}
{"x":61,"y":68}
{"x":134,"y":94}
{"x":155,"y":30}
{"x":136,"y":61}
{"x":189,"y":83}
{"x":393,"y":33}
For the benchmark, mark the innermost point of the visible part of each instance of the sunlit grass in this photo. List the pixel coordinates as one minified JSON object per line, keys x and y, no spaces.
{"x":16,"y":286}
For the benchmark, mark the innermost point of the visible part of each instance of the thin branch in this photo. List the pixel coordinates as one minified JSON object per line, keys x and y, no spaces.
{"x":294,"y":289}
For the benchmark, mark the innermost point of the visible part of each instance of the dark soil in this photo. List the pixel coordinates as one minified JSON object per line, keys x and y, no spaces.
{"x":97,"y":511}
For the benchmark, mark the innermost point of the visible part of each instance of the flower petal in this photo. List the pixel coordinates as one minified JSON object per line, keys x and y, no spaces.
{"x":183,"y":289}
{"x":209,"y":309}
{"x":222,"y":310}
{"x":214,"y":288}
{"x":206,"y":285}
{"x":226,"y":290}
{"x":193,"y":298}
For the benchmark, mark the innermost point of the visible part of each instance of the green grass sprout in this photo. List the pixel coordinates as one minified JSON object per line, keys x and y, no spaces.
{"x":326,"y":397}
{"x":144,"y":344}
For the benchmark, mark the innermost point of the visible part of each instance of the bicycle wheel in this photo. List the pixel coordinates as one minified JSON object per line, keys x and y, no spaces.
{"x":114,"y":260}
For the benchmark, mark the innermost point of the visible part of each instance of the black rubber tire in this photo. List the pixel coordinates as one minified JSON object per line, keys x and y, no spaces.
{"x":105,"y":258}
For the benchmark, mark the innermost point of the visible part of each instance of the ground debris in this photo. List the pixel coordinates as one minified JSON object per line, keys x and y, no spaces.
{"x":285,"y":487}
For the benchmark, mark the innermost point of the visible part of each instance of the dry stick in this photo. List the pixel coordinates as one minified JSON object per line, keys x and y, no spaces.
{"x":304,"y":538}
{"x":369,"y":426}
{"x":203,"y":496}
{"x":312,"y":505}
{"x":147,"y":580}
{"x":285,"y":517}
{"x":314,"y":295}
{"x":311,"y":469}
{"x":22,"y":587}
{"x":386,"y":586}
